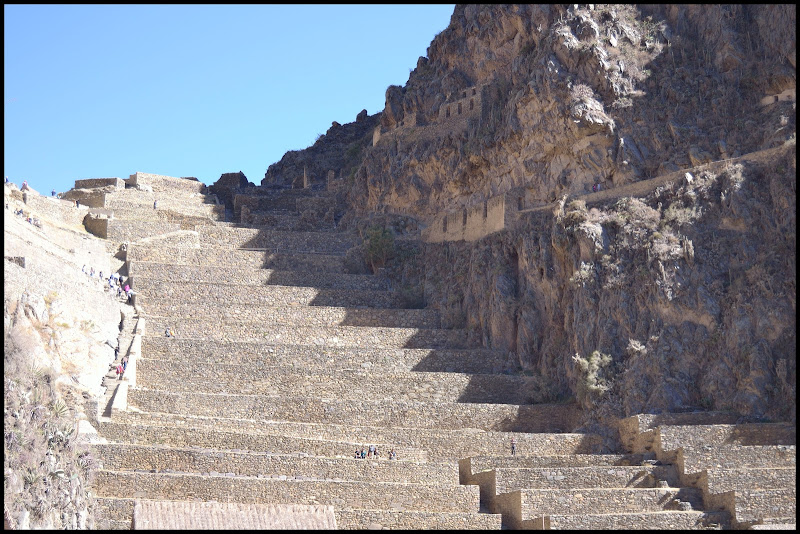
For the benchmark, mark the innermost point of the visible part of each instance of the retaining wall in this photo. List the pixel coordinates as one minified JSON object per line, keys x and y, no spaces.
{"x":130,"y":430}
{"x":698,"y":436}
{"x":131,"y":230}
{"x":216,"y":296}
{"x":339,"y":439}
{"x":125,"y":457}
{"x":330,"y":336}
{"x":171,"y":184}
{"x":342,"y":494}
{"x":538,"y":502}
{"x":297,"y":315}
{"x":415,"y":520}
{"x":496,"y":417}
{"x":285,"y":222}
{"x":344,"y":384}
{"x":116,"y":183}
{"x":262,"y":355}
{"x":284,"y":200}
{"x":63,"y":210}
{"x":584,"y":477}
{"x":205,"y":273}
{"x":86,"y":197}
{"x":236,"y":258}
{"x":276,"y":240}
{"x":97,"y":226}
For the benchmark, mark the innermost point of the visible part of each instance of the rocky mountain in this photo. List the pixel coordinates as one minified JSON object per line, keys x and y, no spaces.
{"x":679,"y":297}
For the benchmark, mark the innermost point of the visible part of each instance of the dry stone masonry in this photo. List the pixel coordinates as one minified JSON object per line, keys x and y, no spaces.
{"x":282,"y":366}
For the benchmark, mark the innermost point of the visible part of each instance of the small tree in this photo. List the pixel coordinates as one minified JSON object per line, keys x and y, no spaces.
{"x":379,"y":244}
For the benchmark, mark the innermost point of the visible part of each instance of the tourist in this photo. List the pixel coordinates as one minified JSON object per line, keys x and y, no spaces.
{"x":124,"y":363}
{"x":513,"y":446}
{"x":53,"y":193}
{"x":166,"y":332}
{"x":120,"y":371}
{"x":363,"y":453}
{"x":155,"y":204}
{"x":392,"y":455}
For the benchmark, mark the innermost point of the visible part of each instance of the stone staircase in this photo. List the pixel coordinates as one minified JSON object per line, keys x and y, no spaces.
{"x":283,"y":366}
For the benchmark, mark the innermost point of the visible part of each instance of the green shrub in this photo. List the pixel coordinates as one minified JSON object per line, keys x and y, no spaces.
{"x":592,"y":383}
{"x":378,"y":246}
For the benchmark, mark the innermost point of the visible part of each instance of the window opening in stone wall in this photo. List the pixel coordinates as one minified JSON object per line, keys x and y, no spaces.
{"x":473,"y":91}
{"x":447,"y":112}
{"x":459,"y":108}
{"x":444,"y":224}
{"x":464,"y":95}
{"x":485,"y":209}
{"x":519,"y":203}
{"x":471,"y":104}
{"x":464,"y":218}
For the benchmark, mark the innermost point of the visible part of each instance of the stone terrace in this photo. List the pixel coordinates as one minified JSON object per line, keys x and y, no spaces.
{"x":283,"y":366}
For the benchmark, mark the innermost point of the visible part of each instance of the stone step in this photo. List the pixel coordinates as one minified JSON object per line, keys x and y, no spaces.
{"x":126,"y":429}
{"x":328,"y":336}
{"x":259,"y":354}
{"x":543,"y":502}
{"x":765,"y":505}
{"x":161,"y":459}
{"x":644,"y":422}
{"x":478,"y":464}
{"x":177,"y":313}
{"x":213,"y":295}
{"x":114,"y":509}
{"x":242,"y":259}
{"x":143,"y":204}
{"x":285,"y":221}
{"x":673,"y":436}
{"x":497,"y":417}
{"x":754,"y":478}
{"x":341,"y":384}
{"x":277,"y":240}
{"x":576,"y":478}
{"x":350,"y":519}
{"x":661,"y":520}
{"x":739,"y":456}
{"x":425,"y":443}
{"x":172,"y":186}
{"x":206,"y":216}
{"x":121,"y":510}
{"x":341,"y":494}
{"x":128,"y":230}
{"x":104,"y":524}
{"x":217,"y":274}
{"x":285,"y":200}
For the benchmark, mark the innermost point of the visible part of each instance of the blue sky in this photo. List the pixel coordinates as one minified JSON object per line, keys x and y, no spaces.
{"x":93,"y":91}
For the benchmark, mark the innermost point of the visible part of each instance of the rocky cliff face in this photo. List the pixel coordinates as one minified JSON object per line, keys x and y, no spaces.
{"x":337,"y":154}
{"x":576,"y":96}
{"x":681,"y":299}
